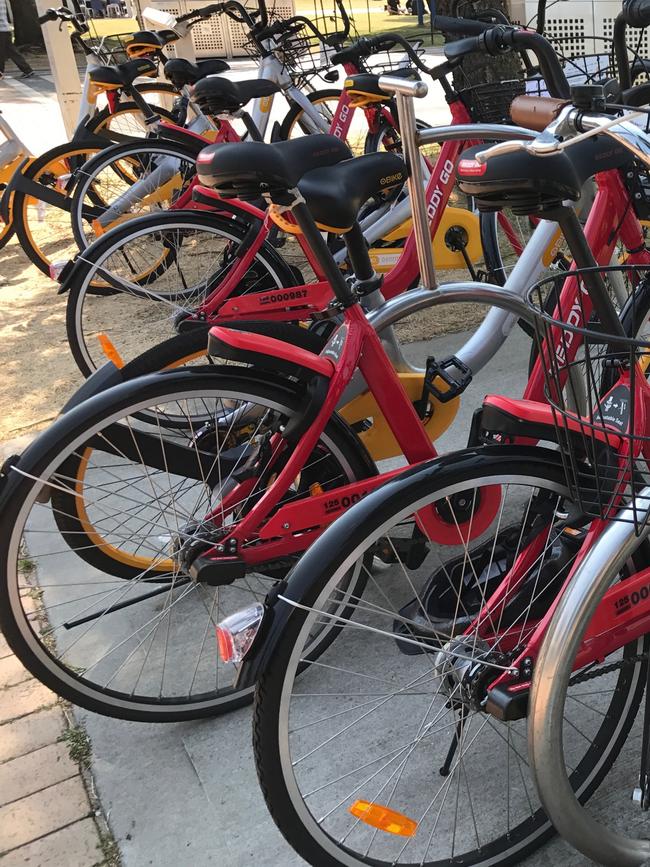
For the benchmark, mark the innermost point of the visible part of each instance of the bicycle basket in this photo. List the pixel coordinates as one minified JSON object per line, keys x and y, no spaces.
{"x":598,"y":67}
{"x":110,"y":50}
{"x":490,"y":102}
{"x":304,"y":54}
{"x":596,"y":387}
{"x":385,"y":62}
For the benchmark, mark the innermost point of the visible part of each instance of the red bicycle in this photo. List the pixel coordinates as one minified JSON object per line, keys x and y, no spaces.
{"x":192,"y":492}
{"x":153,"y":267}
{"x":510,"y":656}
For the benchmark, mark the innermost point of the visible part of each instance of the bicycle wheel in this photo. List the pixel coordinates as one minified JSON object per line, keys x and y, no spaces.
{"x":382,"y":751}
{"x":42,"y":219}
{"x":611,"y":828}
{"x":129,"y":180}
{"x":94,"y":600}
{"x":127,"y":120}
{"x":296,"y":123}
{"x":160,"y":267}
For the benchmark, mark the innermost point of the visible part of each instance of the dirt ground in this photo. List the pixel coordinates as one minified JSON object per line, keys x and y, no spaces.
{"x":39,"y":372}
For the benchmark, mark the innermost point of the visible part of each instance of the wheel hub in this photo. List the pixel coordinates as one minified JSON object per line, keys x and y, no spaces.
{"x":465,"y":666}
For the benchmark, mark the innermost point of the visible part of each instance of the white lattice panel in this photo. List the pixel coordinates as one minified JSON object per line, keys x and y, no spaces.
{"x":218,"y":36}
{"x":210,"y":37}
{"x":574,"y":21}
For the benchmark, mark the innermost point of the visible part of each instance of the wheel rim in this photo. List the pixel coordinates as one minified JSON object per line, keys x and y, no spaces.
{"x":323,"y":762}
{"x":200,"y":260}
{"x":160,"y":654}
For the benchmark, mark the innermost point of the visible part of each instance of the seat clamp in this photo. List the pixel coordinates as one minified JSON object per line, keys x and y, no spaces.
{"x":280,"y":208}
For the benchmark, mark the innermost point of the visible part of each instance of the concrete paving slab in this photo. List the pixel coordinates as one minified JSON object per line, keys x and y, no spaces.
{"x":42,"y":813}
{"x":74,"y":846}
{"x":12,"y":672}
{"x":30,"y":733}
{"x":25,"y":698}
{"x":37,"y":770}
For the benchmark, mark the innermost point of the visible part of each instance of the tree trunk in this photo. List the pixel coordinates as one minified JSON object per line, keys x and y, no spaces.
{"x":27,"y":29}
{"x":481,"y":68}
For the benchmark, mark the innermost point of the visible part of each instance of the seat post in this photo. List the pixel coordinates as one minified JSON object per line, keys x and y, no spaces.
{"x":358,"y":253}
{"x":303,"y":217}
{"x":405,"y":91}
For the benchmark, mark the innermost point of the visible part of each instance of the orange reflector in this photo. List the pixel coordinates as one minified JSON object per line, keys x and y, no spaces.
{"x":109,"y":350}
{"x":384,"y":818}
{"x":225,"y":644}
{"x":98,"y":229}
{"x":316,"y":489}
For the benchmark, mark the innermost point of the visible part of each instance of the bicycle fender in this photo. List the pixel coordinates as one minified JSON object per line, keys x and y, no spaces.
{"x":104,"y":377}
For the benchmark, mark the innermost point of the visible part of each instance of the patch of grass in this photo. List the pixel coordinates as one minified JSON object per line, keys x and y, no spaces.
{"x":78,"y":744}
{"x":369,"y":19}
{"x":26,"y":565}
{"x":110,"y":850}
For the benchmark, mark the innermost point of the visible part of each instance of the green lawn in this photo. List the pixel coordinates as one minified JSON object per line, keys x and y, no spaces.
{"x":370,"y":18}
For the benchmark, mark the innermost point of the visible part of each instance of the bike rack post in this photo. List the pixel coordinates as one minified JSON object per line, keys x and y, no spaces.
{"x":405,"y":91}
{"x":64,"y":68}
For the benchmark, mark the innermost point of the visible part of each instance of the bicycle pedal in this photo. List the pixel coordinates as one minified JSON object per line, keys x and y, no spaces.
{"x":410,"y":552}
{"x":217,"y":573}
{"x":438,"y":374}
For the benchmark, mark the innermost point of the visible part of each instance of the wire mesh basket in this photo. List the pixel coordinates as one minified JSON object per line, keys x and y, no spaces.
{"x":385,"y":62}
{"x":595,"y":68}
{"x":109,"y":50}
{"x":596,"y":385}
{"x":304,"y":54}
{"x":490,"y":102}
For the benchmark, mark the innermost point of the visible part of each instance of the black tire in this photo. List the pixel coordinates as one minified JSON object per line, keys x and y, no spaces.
{"x":45,"y":245}
{"x":278,"y":723}
{"x":86,"y":189}
{"x":7,"y":231}
{"x":36,"y":636}
{"x":271,"y":265}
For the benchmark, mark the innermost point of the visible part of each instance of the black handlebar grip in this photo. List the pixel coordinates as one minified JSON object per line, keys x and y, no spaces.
{"x":636,"y":13}
{"x":54,"y":15}
{"x":461,"y":47}
{"x":549,"y":63}
{"x":460,"y":26}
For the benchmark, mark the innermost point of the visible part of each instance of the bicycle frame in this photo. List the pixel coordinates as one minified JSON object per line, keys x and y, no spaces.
{"x":299,"y":301}
{"x":355,"y":344}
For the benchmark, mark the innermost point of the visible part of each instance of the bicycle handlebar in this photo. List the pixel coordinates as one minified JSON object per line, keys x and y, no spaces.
{"x":587,"y":125}
{"x":500,"y":39}
{"x":64,"y":14}
{"x":285,"y":26}
{"x":636,"y":13}
{"x":369,"y":45}
{"x":232,"y":8}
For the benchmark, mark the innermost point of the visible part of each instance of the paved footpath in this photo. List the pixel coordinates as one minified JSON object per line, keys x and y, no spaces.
{"x":47,"y":816}
{"x":49,"y":812}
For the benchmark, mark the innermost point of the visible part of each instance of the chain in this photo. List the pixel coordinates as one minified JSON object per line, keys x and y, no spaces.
{"x":591,"y":675}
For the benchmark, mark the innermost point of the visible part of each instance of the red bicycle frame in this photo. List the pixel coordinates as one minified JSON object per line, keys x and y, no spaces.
{"x":300,"y":301}
{"x":354,"y":345}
